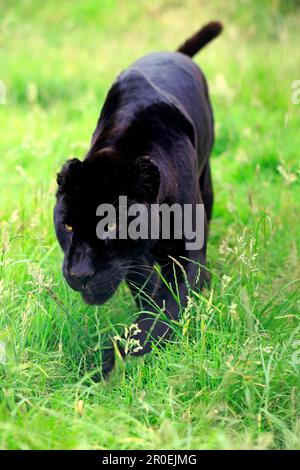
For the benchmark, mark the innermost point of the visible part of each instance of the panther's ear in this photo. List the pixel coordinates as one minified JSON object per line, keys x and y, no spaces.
{"x":69,"y":167}
{"x":144,"y":180}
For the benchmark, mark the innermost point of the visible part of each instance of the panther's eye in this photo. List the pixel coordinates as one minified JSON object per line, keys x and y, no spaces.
{"x":68,"y":228}
{"x":111,"y":227}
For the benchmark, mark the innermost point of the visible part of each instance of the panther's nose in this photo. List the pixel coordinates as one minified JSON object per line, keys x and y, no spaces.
{"x":81,"y":276}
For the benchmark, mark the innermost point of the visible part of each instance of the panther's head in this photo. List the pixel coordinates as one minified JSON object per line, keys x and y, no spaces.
{"x":95,"y":264}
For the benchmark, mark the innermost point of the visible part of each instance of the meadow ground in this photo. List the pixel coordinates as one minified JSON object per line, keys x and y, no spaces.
{"x":231,"y":376}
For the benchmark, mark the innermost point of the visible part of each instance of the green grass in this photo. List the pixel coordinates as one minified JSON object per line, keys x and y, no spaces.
{"x":231,"y":376}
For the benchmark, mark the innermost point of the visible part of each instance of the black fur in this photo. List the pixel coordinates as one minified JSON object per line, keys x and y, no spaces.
{"x":201,"y":38}
{"x":152,"y":143}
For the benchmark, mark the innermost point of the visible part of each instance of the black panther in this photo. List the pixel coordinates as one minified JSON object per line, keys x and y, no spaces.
{"x":152,"y":143}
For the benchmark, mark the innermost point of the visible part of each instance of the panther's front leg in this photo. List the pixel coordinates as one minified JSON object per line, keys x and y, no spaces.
{"x":143,"y":281}
{"x":167,"y":301}
{"x":162,"y":305}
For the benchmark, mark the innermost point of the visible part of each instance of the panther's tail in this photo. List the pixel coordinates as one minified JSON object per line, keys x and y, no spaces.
{"x":201,"y":38}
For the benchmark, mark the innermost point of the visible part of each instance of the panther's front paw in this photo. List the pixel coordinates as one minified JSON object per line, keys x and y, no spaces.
{"x":108,"y":361}
{"x":109,"y":358}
